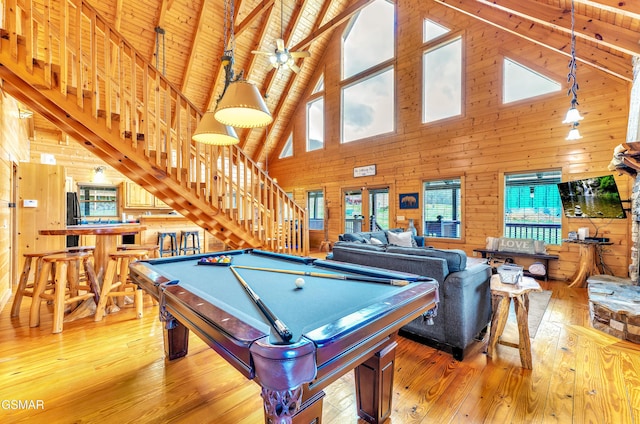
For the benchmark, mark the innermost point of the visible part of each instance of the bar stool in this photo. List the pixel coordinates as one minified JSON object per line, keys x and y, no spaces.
{"x":172,"y":236}
{"x":65,"y":277}
{"x":25,"y":287}
{"x":184,"y":242}
{"x":117,"y":283}
{"x":153,"y":250}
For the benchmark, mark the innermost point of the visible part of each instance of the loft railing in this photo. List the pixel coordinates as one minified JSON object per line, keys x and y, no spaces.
{"x":75,"y":52}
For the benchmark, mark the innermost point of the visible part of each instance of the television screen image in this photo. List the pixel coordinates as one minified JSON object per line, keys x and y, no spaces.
{"x":596,"y":197}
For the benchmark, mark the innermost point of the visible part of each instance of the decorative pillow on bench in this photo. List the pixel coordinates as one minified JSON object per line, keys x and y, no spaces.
{"x":516,"y":245}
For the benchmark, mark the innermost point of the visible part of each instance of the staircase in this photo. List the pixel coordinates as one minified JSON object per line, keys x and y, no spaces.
{"x":60,"y":58}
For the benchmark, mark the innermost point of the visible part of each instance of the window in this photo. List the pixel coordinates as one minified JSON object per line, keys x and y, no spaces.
{"x":368,"y":96}
{"x":442,"y":208}
{"x":432,"y":30}
{"x":287,"y":150}
{"x":368,"y":107}
{"x":442,"y":81}
{"x":315,"y":209}
{"x":319,"y":87}
{"x":532,"y":207}
{"x":369,"y":39}
{"x":520,"y":82}
{"x":98,"y":201}
{"x":315,"y":124}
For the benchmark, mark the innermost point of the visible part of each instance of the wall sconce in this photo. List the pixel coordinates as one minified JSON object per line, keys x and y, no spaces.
{"x":99,"y":175}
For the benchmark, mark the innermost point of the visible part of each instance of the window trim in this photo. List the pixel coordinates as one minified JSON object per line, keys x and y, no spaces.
{"x":548,"y":73}
{"x":366,"y":76}
{"x":433,"y":45}
{"x":90,"y":186}
{"x":308,"y":126}
{"x":502,"y":177}
{"x":324,"y":219}
{"x":463,"y":207}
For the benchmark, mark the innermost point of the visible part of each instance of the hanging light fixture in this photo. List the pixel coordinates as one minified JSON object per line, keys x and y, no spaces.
{"x":240,"y":103}
{"x":212,"y":131}
{"x":573,"y":116}
{"x":243,"y":106}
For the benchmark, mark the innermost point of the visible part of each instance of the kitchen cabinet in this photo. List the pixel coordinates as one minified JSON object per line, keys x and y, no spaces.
{"x":137,"y":197}
{"x":159,"y":204}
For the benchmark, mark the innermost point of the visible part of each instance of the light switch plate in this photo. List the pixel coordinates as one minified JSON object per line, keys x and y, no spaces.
{"x":30,"y":203}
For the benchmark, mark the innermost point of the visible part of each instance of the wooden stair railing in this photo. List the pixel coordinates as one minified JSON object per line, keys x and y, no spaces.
{"x":63,"y":60}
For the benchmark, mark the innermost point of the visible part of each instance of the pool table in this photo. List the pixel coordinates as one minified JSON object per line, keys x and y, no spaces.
{"x":336,"y":323}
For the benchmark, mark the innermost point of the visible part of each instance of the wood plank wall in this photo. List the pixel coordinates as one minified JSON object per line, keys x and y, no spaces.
{"x":13,"y":148}
{"x":489,"y":140}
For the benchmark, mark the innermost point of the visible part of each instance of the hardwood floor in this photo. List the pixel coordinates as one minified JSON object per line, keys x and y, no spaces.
{"x":114,"y":372}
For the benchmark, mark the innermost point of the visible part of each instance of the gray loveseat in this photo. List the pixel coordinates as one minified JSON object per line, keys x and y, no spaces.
{"x":464,"y":311}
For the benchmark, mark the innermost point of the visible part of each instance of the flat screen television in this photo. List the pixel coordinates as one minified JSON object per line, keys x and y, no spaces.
{"x":596,"y":197}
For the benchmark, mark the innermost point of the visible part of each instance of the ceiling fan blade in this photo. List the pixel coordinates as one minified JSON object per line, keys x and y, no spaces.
{"x":295,"y":68}
{"x":280,"y":44}
{"x":261,"y":52}
{"x":300,"y":54}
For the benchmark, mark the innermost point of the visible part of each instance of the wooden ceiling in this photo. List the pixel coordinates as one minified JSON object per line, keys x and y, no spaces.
{"x":185,"y":38}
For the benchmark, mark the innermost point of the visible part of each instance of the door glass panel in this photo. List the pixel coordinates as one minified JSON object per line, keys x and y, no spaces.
{"x":353,"y":211}
{"x":379,"y":209}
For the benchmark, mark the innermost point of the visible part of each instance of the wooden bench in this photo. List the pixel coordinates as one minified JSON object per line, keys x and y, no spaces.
{"x":486,"y":253}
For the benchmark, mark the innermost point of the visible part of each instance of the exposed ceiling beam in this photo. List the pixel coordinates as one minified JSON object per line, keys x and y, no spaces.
{"x":610,"y":63}
{"x":628,"y":8}
{"x":590,"y":29}
{"x":319,"y":32}
{"x":262,"y":144}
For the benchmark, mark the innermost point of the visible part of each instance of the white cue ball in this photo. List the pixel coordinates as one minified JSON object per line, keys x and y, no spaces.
{"x":299,"y":282}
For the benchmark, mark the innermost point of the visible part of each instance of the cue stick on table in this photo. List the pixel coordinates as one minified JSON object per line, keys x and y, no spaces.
{"x":275,"y":322}
{"x":390,"y":281}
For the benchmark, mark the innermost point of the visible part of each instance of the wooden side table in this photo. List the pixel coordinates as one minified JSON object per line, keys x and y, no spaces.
{"x":501,"y":295}
{"x":589,"y":261}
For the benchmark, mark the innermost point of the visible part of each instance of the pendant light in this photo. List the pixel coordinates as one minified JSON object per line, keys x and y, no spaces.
{"x":573,"y":116}
{"x":212,"y":131}
{"x":240,"y":104}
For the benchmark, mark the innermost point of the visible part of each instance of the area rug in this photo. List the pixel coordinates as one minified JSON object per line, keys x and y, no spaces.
{"x":538,"y":302}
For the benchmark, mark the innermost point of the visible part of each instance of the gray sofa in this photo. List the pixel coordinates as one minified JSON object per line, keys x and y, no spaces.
{"x":464,"y":311}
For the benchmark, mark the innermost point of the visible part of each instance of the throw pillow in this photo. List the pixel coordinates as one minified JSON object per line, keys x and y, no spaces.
{"x":400,"y":239}
{"x":516,"y":245}
{"x":374,"y":240}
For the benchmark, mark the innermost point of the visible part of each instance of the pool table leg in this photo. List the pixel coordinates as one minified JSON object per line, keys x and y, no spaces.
{"x":374,"y":385}
{"x":176,"y":340}
{"x":176,"y":334}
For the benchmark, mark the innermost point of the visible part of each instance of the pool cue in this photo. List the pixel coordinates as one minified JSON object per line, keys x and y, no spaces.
{"x":275,"y":322}
{"x":390,"y":281}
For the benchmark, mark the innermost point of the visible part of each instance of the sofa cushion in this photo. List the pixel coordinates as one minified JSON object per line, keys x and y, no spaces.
{"x":379,"y":235}
{"x":456,"y":258}
{"x":361,"y":246}
{"x":400,"y":239}
{"x":354,"y":237}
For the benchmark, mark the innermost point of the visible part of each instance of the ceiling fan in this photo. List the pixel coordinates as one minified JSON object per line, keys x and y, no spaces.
{"x":281,"y":56}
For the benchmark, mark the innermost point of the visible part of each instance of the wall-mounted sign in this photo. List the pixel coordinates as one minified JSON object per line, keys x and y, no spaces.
{"x":364,"y":171}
